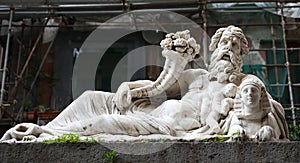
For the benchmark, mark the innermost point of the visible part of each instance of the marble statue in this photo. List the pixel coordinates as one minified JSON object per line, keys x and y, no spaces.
{"x":252,"y":115}
{"x":219,"y":101}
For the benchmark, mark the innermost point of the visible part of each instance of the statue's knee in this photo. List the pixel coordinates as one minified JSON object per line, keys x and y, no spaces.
{"x":87,"y":93}
{"x":172,"y":103}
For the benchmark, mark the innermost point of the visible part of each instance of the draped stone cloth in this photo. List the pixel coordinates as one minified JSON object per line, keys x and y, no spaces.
{"x":94,"y":114}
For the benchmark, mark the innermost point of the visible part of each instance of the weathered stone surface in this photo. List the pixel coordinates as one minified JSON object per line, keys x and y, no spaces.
{"x":215,"y":102}
{"x":176,"y":152}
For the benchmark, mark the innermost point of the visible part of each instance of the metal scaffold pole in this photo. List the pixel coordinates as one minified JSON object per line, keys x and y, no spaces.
{"x":25,"y":66}
{"x":6,"y":58}
{"x":287,"y":64}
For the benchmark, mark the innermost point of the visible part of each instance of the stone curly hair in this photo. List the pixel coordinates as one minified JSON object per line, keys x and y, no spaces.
{"x":232,"y":30}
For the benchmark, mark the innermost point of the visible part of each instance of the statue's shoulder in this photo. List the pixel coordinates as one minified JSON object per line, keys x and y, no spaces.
{"x":195,"y":77}
{"x":196,"y":72}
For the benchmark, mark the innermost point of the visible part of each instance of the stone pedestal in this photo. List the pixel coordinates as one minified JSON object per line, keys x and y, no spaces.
{"x":170,"y":152}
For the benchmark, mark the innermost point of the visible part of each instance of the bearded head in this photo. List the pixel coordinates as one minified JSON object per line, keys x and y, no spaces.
{"x":229,"y":45}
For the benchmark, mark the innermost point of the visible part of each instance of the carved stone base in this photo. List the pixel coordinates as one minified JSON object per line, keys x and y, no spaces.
{"x":171,"y":152}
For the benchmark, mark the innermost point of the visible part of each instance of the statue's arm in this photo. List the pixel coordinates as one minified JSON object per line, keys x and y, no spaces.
{"x":122,"y":98}
{"x":181,"y":86}
{"x":138,"y":83}
{"x":174,"y":91}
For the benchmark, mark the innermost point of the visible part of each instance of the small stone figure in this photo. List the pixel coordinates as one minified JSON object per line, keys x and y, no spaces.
{"x":221,"y":109}
{"x":252,"y":115}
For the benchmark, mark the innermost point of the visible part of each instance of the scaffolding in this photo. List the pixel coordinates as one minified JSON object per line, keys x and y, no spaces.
{"x":201,"y":11}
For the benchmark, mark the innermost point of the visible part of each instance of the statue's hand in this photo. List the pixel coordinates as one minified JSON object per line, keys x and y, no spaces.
{"x":29,"y":139}
{"x":122,"y":98}
{"x":237,"y":133}
{"x":265,"y":133}
{"x":22,"y":130}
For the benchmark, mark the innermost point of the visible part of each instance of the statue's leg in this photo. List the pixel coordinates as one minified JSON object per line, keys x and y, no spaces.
{"x":133,"y":125}
{"x":141,"y":124}
{"x":212,"y":121}
{"x":90,"y":104}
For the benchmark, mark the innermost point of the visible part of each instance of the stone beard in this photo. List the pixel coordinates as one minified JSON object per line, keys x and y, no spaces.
{"x":225,"y":65}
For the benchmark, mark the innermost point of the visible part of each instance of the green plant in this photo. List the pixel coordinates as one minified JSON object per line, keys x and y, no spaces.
{"x":69,"y":138}
{"x":28,"y":105}
{"x":202,"y":140}
{"x":109,"y":156}
{"x":42,"y":108}
{"x":225,"y":132}
{"x":92,"y":140}
{"x":51,"y":80}
{"x":214,"y":139}
{"x":163,"y":139}
{"x":294,"y":132}
{"x":236,"y":133}
{"x":65,"y":138}
{"x":145,"y":140}
{"x":221,"y":138}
